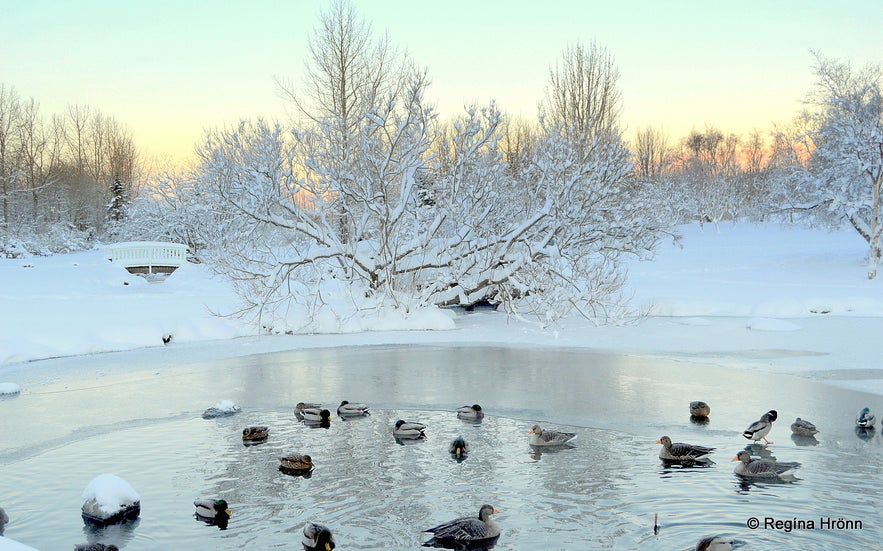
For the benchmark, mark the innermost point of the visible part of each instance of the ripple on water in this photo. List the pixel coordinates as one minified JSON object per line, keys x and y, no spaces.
{"x":376,"y":493}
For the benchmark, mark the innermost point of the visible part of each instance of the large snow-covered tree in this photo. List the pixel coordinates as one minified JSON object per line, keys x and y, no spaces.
{"x":845,"y":170}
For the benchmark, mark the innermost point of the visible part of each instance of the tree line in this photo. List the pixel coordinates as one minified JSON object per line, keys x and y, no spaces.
{"x":63,"y":177}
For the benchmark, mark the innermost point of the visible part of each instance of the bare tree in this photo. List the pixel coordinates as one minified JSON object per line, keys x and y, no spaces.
{"x":10,"y":109}
{"x":652,"y":152}
{"x":582,"y":95}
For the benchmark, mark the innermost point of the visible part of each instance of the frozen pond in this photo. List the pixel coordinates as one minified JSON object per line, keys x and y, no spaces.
{"x":146,"y":427}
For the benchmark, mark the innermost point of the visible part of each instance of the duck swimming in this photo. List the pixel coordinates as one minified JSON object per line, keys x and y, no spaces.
{"x":458,"y":448}
{"x":317,"y":537}
{"x":679,"y":452}
{"x":296,"y":463}
{"x":699,"y":408}
{"x":865,"y":419}
{"x":316,"y":415}
{"x":465,"y":532}
{"x":760,"y":428}
{"x":255,"y":434}
{"x":301,"y":406}
{"x":716,"y":543}
{"x":470,"y":412}
{"x":540,"y":437}
{"x":346,"y":409}
{"x":213,"y":511}
{"x":409,"y":430}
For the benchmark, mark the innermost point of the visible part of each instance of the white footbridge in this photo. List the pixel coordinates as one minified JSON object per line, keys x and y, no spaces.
{"x":152,"y":259}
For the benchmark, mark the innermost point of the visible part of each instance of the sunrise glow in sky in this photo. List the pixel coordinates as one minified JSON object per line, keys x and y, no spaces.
{"x":169,"y":69}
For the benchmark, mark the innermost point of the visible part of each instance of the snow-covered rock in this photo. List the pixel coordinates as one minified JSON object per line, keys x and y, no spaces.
{"x":221,"y":409}
{"x":109,"y":498}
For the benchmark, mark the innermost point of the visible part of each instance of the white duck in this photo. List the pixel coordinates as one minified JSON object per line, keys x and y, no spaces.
{"x":540,"y":437}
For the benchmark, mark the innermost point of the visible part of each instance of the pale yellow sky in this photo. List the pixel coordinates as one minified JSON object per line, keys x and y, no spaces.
{"x":169,"y":69}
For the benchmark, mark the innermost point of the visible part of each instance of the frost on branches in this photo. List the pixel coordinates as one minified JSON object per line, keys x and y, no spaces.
{"x":845,"y":171}
{"x":320,"y":226}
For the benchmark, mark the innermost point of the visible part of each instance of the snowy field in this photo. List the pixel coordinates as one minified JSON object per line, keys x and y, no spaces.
{"x":764,"y":297}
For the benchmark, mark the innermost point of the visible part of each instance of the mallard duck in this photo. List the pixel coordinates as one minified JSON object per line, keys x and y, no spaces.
{"x":470,"y":412}
{"x":766,"y":469}
{"x":699,"y":409}
{"x":865,"y":419}
{"x":680,"y":452}
{"x":540,"y":437}
{"x":215,"y":511}
{"x":255,"y":434}
{"x":409,"y":430}
{"x":465,"y":532}
{"x":316,"y":415}
{"x":346,"y":409}
{"x":296,"y":462}
{"x":317,"y":537}
{"x":802,"y":427}
{"x":716,"y":543}
{"x":458,"y":448}
{"x":760,"y":428}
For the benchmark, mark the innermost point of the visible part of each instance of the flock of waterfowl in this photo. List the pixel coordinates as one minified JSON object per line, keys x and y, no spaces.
{"x":481,"y":532}
{"x":468,"y":532}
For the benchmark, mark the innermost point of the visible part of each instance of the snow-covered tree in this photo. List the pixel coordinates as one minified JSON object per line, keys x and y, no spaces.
{"x":845,"y":170}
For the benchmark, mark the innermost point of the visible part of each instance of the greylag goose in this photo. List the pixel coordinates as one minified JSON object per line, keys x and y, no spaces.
{"x":470,"y":412}
{"x":459,"y":448}
{"x":765,"y":469}
{"x":255,"y":434}
{"x":802,"y":427}
{"x":465,"y":532}
{"x":409,"y":430}
{"x":346,"y":409}
{"x":760,"y":428}
{"x":540,"y":437}
{"x":699,"y":409}
{"x":678,"y":452}
{"x":317,"y":537}
{"x":213,"y":511}
{"x":865,"y":419}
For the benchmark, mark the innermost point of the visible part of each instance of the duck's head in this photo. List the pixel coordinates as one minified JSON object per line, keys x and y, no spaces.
{"x":343,"y":403}
{"x":476,"y":407}
{"x":221,"y":508}
{"x":536,"y":429}
{"x":458,"y":446}
{"x":325,"y":415}
{"x":399,"y":423}
{"x":771,"y":415}
{"x":665,"y":441}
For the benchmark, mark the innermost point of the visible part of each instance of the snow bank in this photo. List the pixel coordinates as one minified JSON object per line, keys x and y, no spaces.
{"x":9,"y":388}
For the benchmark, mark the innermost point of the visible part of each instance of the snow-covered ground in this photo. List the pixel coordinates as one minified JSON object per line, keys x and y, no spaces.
{"x":763,"y":297}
